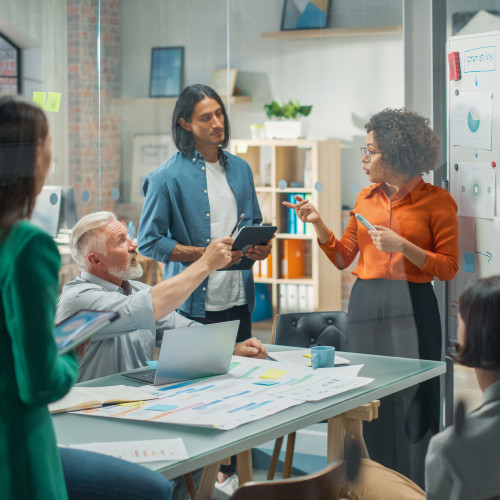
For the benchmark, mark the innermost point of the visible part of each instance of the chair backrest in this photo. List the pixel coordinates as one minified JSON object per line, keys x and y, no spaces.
{"x":323,"y":485}
{"x":311,"y":328}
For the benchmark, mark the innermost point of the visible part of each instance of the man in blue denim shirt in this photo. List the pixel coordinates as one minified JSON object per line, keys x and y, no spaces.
{"x":195,"y":197}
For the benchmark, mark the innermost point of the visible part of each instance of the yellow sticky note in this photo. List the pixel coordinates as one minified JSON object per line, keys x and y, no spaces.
{"x":273,"y":374}
{"x":134,"y":404}
{"x":40,"y":98}
{"x":241,"y":149}
{"x":53,"y":101}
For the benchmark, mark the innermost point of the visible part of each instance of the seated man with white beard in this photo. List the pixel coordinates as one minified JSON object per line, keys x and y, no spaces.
{"x":101,"y":247}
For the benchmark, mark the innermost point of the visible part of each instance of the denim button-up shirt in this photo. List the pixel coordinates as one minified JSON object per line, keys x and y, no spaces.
{"x":177,"y":210}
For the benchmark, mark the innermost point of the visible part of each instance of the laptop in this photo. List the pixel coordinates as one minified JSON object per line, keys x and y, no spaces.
{"x":193,"y":352}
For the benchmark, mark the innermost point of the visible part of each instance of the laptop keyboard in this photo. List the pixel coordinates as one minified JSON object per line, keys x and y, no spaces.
{"x":148,"y":377}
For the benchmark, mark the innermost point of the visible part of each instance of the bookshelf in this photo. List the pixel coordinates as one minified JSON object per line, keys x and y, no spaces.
{"x":281,"y":168}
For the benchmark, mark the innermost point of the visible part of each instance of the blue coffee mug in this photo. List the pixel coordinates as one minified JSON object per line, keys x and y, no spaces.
{"x":322,"y":356}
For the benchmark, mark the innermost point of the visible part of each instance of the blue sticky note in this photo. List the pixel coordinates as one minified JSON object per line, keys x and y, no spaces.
{"x":469,"y":262}
{"x":266,"y":382}
{"x":152,"y":364}
{"x":161,"y":407}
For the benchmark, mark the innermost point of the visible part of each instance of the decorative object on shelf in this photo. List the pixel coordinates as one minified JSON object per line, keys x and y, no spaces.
{"x":223,"y":81}
{"x":167,"y":68}
{"x":257,"y":131}
{"x":286,"y":126}
{"x":304,"y":14}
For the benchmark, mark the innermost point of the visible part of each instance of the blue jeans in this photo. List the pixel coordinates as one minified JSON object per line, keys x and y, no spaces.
{"x":93,"y":476}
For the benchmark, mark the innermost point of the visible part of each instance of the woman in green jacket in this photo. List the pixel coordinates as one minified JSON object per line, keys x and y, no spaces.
{"x":32,"y":373}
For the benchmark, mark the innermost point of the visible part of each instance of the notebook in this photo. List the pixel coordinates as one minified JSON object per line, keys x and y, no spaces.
{"x":194,"y":352}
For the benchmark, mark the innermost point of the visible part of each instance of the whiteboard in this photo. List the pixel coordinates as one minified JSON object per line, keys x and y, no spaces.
{"x":473,"y":144}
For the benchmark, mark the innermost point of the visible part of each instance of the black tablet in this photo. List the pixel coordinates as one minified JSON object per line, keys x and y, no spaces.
{"x":78,"y":327}
{"x":247,"y":237}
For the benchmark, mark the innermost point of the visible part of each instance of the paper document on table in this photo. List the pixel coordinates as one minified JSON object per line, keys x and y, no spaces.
{"x":248,"y":392}
{"x":303,"y":357}
{"x":151,"y":450}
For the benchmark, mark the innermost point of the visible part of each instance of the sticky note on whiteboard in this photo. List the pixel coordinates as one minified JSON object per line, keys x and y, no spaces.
{"x":469,"y":262}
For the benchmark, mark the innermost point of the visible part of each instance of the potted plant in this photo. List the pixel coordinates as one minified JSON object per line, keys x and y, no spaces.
{"x":285,"y":123}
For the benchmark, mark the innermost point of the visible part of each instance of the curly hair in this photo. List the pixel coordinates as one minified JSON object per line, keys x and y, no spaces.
{"x":408,"y":144}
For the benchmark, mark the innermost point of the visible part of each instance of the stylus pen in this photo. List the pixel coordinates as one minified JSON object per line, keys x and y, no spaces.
{"x":240,"y":218}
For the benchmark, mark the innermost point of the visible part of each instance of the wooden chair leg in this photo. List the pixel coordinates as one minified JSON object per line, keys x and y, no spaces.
{"x":290,"y":445}
{"x":245,"y":467}
{"x":274,"y":458}
{"x":207,"y":481}
{"x":191,"y":488}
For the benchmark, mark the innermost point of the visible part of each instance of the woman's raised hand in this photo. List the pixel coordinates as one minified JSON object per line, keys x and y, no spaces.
{"x":304,"y":209}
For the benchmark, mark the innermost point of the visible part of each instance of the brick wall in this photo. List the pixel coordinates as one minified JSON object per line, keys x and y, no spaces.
{"x":83,"y":103}
{"x":348,"y":279}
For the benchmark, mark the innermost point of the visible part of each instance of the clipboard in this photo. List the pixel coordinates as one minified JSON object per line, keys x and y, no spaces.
{"x":247,"y":237}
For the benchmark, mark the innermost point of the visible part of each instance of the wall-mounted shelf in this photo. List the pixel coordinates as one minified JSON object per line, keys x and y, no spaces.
{"x":236,"y":99}
{"x":333,"y":32}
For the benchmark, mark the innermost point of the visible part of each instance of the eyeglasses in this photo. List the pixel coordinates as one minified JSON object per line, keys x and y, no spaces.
{"x":366,"y":152}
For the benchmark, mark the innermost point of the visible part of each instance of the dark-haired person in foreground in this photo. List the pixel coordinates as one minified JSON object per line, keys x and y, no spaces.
{"x":393,"y":310}
{"x":195,"y":197}
{"x":32,"y":373}
{"x":462,"y":460}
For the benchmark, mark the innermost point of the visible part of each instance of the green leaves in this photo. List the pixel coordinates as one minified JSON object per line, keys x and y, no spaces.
{"x":291,"y":110}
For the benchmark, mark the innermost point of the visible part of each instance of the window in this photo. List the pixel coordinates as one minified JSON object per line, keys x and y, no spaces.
{"x":9,"y":68}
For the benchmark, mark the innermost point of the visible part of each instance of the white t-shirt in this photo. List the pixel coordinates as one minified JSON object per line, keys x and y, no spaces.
{"x":225,"y":288}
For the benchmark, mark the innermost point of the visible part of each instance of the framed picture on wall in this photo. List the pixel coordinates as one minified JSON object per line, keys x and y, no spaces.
{"x":304,"y":14}
{"x":167,"y":68}
{"x":149,"y":152}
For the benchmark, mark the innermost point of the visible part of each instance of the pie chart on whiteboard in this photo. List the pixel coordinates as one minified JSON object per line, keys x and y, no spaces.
{"x":473,"y":120}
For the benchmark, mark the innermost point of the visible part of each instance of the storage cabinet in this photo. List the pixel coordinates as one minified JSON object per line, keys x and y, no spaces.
{"x":299,"y":275}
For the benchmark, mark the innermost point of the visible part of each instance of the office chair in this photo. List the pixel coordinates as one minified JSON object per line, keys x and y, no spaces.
{"x":305,"y":330}
{"x":322,"y":485}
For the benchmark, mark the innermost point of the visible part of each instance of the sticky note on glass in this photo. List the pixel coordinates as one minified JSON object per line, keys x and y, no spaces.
{"x":53,"y":102}
{"x":273,"y":374}
{"x":40,"y":98}
{"x":469,"y":262}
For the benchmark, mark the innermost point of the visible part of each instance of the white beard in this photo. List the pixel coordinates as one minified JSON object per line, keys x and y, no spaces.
{"x":131,"y":272}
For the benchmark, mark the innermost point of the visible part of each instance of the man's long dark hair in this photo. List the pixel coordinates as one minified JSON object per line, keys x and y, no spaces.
{"x":184,"y":107}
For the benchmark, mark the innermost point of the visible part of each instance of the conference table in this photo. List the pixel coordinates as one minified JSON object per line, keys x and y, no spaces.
{"x":208,"y":447}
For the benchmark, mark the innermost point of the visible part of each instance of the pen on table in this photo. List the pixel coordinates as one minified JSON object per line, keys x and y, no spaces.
{"x":240,"y":218}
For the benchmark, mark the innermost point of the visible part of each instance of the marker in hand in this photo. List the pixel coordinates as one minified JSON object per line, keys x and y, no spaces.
{"x":365,"y":222}
{"x":240,"y":218}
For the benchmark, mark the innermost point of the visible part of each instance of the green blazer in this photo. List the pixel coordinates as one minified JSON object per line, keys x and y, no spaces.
{"x":32,"y":374}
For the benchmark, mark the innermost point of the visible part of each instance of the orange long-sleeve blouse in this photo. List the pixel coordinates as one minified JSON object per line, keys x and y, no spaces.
{"x":420,"y":212}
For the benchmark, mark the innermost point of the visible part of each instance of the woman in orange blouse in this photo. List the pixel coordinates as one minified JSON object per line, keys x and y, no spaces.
{"x":393,"y":309}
